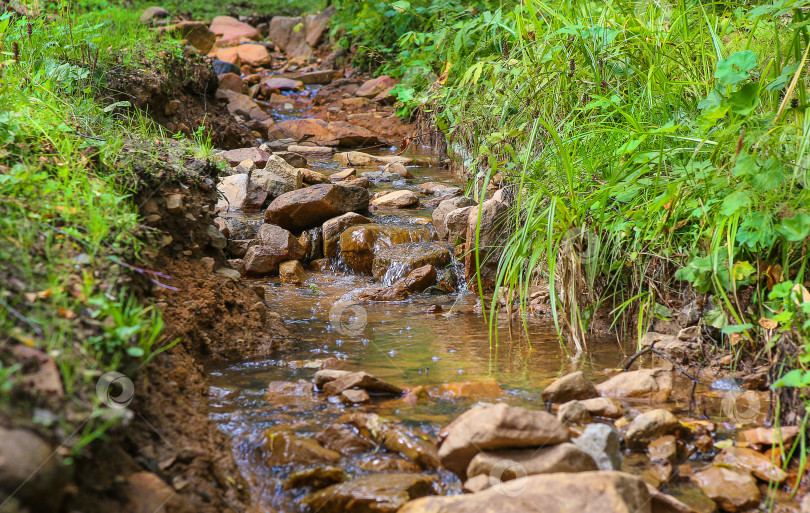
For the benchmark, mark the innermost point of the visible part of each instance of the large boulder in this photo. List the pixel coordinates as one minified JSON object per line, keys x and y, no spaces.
{"x":236,"y":193}
{"x":376,"y":493}
{"x":496,"y":426}
{"x":312,"y":206}
{"x":732,"y":490}
{"x":492,"y":235}
{"x":444,"y":208}
{"x":570,"y":387}
{"x":359,"y":244}
{"x":456,"y":223}
{"x":335,"y":226}
{"x":652,"y":384}
{"x":594,"y":492}
{"x":231,"y":29}
{"x":360,"y":159}
{"x":514,"y":464}
{"x":30,"y":470}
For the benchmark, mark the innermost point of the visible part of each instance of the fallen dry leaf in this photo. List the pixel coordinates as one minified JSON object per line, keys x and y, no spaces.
{"x":768,"y":324}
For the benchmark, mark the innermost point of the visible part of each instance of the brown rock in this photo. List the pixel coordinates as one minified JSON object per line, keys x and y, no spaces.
{"x":154,"y":13}
{"x":663,"y":448}
{"x":418,"y":451}
{"x":514,"y":464}
{"x":444,"y":208}
{"x":360,"y":380}
{"x":648,"y":426}
{"x":231,"y":82}
{"x":359,"y":244}
{"x":456,"y":223}
{"x":732,"y":490}
{"x":313,"y":177}
{"x":145,"y":492}
{"x":652,"y":384}
{"x":354,"y":396}
{"x":497,"y":426}
{"x":375,"y":87}
{"x":292,"y":272}
{"x":242,"y":105}
{"x":238,"y":248}
{"x":316,"y":478}
{"x":769,"y":436}
{"x":343,"y":175}
{"x":397,"y":199}
{"x":574,"y":413}
{"x":664,"y":503}
{"x":333,"y":228}
{"x":570,"y":387}
{"x":748,"y":459}
{"x":357,"y":158}
{"x":392,"y":263}
{"x":239,"y":194}
{"x":289,"y":34}
{"x":312,"y":206}
{"x":235,"y":157}
{"x":253,"y":55}
{"x":591,"y":492}
{"x":30,"y":468}
{"x":468,"y":389}
{"x":232,"y":29}
{"x":399,"y":169}
{"x":344,"y":440}
{"x":283,"y":448}
{"x":491,"y":235}
{"x":376,"y":493}
{"x":195,"y":33}
{"x":324,"y":376}
{"x":603,"y":407}
{"x":420,"y":278}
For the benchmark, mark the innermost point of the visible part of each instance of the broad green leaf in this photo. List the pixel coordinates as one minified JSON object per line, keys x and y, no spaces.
{"x":745,"y":100}
{"x":735,"y":328}
{"x":734,"y":202}
{"x":796,"y":228}
{"x":796,"y":378}
{"x":742,"y":270}
{"x":735,"y":67}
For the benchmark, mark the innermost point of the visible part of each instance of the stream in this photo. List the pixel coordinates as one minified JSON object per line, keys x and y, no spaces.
{"x":436,"y":345}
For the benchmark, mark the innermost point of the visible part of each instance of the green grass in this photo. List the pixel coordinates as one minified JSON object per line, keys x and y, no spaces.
{"x":67,"y":219}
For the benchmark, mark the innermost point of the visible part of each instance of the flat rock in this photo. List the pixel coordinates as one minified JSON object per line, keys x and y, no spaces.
{"x":269,"y":85}
{"x":316,"y":478}
{"x":357,"y":158}
{"x":343,"y":175}
{"x":344,"y":439}
{"x":376,"y":87}
{"x":312,"y":206}
{"x":283,"y":448}
{"x":231,"y":82}
{"x":648,"y":426}
{"x":496,"y":426}
{"x":603,"y":407}
{"x":354,"y":397}
{"x":419,"y":451}
{"x":570,"y":387}
{"x":732,"y":490}
{"x":235,"y":157}
{"x":652,"y":384}
{"x":375,"y":493}
{"x":397,"y":199}
{"x":240,"y":104}
{"x":752,"y":461}
{"x":311,"y":177}
{"x":514,"y":464}
{"x":592,"y":492}
{"x":769,"y":436}
{"x":360,"y":380}
{"x":231,"y":29}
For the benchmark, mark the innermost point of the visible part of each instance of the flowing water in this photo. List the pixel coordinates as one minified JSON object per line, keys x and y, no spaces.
{"x":408,"y":344}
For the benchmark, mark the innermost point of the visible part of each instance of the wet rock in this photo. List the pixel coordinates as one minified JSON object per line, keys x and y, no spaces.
{"x":444,"y":208}
{"x":478,"y":390}
{"x":324,"y":376}
{"x":359,"y":244}
{"x":238,"y":194}
{"x":295,"y":160}
{"x":312,"y":206}
{"x":145,"y":492}
{"x":594,"y":492}
{"x":343,"y":175}
{"x":313,"y":177}
{"x":154,"y":13}
{"x":314,"y":151}
{"x":299,"y":395}
{"x":354,"y":397}
{"x":380,"y":176}
{"x":235,"y":157}
{"x":498,"y":426}
{"x":396,"y":292}
{"x":275,"y":84}
{"x":574,"y":413}
{"x":752,"y":461}
{"x":231,"y":29}
{"x":392,"y":263}
{"x":440,"y":189}
{"x":360,"y":380}
{"x":283,"y":448}
{"x":358,"y":182}
{"x":732,"y":490}
{"x":652,"y":384}
{"x":231,"y":274}
{"x":414,"y":449}
{"x":344,"y":439}
{"x":514,"y":464}
{"x":649,"y":426}
{"x":242,"y":105}
{"x":386,"y":462}
{"x":603,"y":407}
{"x":292,"y":272}
{"x":570,"y":387}
{"x":664,"y":503}
{"x":376,"y":493}
{"x":322,"y":133}
{"x":602,"y":443}
{"x":357,"y":158}
{"x":456,"y":223}
{"x":30,"y":469}
{"x":769,"y":436}
{"x":333,"y":228}
{"x":238,"y":248}
{"x":315,"y":251}
{"x":316,"y":478}
{"x":370,"y":425}
{"x":399,"y":169}
{"x":320,"y":77}
{"x":222,"y":67}
{"x":376,"y":87}
{"x":664,"y":448}
{"x":277,"y":245}
{"x":420,"y":278}
{"x":397,"y":199}
{"x":490,"y":237}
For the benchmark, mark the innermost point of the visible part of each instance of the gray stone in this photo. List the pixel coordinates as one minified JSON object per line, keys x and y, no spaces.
{"x":602,"y":443}
{"x":444,"y":208}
